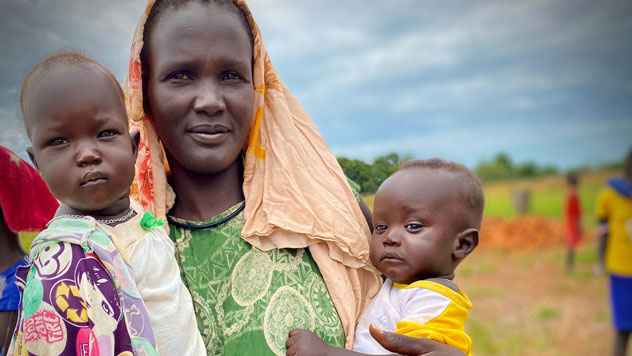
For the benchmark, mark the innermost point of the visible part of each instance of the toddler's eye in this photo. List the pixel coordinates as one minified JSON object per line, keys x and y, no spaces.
{"x":57,"y":141}
{"x":107,"y":133}
{"x":179,"y":76}
{"x":380,"y":227}
{"x":414,"y":226}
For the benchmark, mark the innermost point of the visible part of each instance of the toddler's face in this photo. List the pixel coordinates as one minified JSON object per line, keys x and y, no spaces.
{"x":415,"y":218}
{"x":79,"y":132}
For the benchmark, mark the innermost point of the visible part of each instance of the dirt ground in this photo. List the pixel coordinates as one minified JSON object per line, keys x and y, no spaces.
{"x":524,"y":303}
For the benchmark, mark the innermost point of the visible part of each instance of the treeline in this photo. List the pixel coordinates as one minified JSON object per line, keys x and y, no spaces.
{"x":370,"y":176}
{"x":501,"y":167}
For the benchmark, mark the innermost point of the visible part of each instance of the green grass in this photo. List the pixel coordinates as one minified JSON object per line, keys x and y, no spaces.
{"x":545,"y":312}
{"x":26,"y":239}
{"x":547,"y":196}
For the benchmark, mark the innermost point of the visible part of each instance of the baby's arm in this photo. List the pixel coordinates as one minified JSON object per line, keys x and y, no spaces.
{"x":305,"y":343}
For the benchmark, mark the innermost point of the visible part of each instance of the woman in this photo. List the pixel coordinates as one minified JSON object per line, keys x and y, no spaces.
{"x":268,"y":233}
{"x":25,"y":205}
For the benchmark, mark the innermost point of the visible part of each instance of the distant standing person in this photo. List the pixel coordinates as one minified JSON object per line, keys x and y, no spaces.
{"x":573,"y":217}
{"x":614,"y":210}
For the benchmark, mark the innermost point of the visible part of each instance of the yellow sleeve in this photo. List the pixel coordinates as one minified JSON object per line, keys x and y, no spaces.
{"x":438,"y":330}
{"x":603,"y":213}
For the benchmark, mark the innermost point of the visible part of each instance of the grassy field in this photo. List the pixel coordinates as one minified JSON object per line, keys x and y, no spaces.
{"x":547,"y":196}
{"x":525,"y":304}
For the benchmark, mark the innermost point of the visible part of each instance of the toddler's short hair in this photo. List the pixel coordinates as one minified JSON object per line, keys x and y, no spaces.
{"x":470,"y":187}
{"x":66,"y":58}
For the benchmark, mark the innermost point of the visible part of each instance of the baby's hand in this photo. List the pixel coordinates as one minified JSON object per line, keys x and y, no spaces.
{"x":305,"y":343}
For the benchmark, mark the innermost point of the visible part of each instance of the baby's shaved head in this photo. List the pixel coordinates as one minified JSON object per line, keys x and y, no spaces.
{"x":60,"y":59}
{"x":470,"y":187}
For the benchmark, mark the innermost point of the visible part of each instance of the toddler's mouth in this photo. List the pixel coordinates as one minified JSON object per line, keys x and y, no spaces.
{"x":93,"y":178}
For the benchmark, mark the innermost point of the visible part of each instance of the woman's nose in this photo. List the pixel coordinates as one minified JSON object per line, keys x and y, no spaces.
{"x":209,"y":99}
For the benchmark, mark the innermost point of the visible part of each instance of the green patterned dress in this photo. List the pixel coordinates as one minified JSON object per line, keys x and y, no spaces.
{"x":247,"y":300}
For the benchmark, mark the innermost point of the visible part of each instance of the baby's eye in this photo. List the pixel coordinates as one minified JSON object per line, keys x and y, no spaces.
{"x":414,"y":226}
{"x":57,"y":141}
{"x":179,"y":76}
{"x":231,"y":76}
{"x":107,"y":133}
{"x":380,"y":227}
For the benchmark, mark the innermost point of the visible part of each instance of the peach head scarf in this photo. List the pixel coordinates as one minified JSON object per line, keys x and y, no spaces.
{"x":296,"y":193}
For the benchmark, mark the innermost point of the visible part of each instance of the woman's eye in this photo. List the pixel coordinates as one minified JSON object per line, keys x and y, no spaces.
{"x":179,"y":76}
{"x":57,"y":141}
{"x":380,"y":227}
{"x":107,"y":133}
{"x":414,"y":226}
{"x":231,"y":76}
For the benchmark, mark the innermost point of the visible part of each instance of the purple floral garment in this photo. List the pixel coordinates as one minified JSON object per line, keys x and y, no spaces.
{"x":71,"y":305}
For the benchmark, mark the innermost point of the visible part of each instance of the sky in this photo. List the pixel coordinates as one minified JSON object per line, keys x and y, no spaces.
{"x":548,"y":81}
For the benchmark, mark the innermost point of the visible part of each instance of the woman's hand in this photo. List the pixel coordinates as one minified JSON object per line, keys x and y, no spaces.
{"x":305,"y":343}
{"x":406,"y":345}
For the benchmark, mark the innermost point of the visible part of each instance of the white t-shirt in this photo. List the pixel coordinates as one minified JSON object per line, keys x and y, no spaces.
{"x":425,"y":309}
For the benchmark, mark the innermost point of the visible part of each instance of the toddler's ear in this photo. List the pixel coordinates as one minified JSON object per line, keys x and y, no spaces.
{"x":135,"y":136}
{"x":29,"y":151}
{"x":464,"y":243}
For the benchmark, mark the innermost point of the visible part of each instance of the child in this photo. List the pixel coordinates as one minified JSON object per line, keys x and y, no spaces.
{"x":614,"y":211}
{"x":82,"y":294}
{"x":573,"y":217}
{"x":426,"y":221}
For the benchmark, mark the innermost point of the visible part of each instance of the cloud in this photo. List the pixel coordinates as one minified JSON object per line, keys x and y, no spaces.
{"x":547,"y":80}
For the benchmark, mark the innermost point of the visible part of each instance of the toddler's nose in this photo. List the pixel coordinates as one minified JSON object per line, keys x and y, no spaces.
{"x":88,"y":156}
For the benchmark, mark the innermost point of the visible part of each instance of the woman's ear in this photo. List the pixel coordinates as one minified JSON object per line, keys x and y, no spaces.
{"x":29,"y":151}
{"x":135,"y":136}
{"x":464,"y":243}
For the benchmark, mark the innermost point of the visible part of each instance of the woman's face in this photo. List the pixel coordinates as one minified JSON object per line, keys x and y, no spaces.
{"x":200,"y":86}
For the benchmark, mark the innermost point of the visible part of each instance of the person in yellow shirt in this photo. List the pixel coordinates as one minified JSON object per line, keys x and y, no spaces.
{"x":425,"y":222}
{"x":614,"y":210}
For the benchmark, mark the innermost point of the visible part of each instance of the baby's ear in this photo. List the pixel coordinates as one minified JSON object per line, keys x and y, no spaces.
{"x":29,"y":151}
{"x":135,"y":136}
{"x":464,"y":243}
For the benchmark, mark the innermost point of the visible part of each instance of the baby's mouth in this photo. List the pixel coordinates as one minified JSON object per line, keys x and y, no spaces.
{"x":390,"y":256}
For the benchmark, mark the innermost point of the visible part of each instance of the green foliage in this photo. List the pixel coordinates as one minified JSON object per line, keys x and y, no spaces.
{"x":369,"y":177}
{"x":503,"y":168}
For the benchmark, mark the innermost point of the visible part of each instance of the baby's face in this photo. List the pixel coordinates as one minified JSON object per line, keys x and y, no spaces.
{"x":78,"y":128}
{"x":415,"y":220}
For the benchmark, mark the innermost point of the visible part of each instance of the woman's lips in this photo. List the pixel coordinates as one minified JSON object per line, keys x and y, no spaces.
{"x":209,"y":134}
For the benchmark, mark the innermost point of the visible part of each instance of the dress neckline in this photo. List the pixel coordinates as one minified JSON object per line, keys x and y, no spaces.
{"x":215,"y":221}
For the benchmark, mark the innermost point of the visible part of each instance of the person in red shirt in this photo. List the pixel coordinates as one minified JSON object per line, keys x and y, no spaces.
{"x":573,"y":218}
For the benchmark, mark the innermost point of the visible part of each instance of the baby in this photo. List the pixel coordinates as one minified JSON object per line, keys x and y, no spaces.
{"x":426,"y":220}
{"x":103,"y":278}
